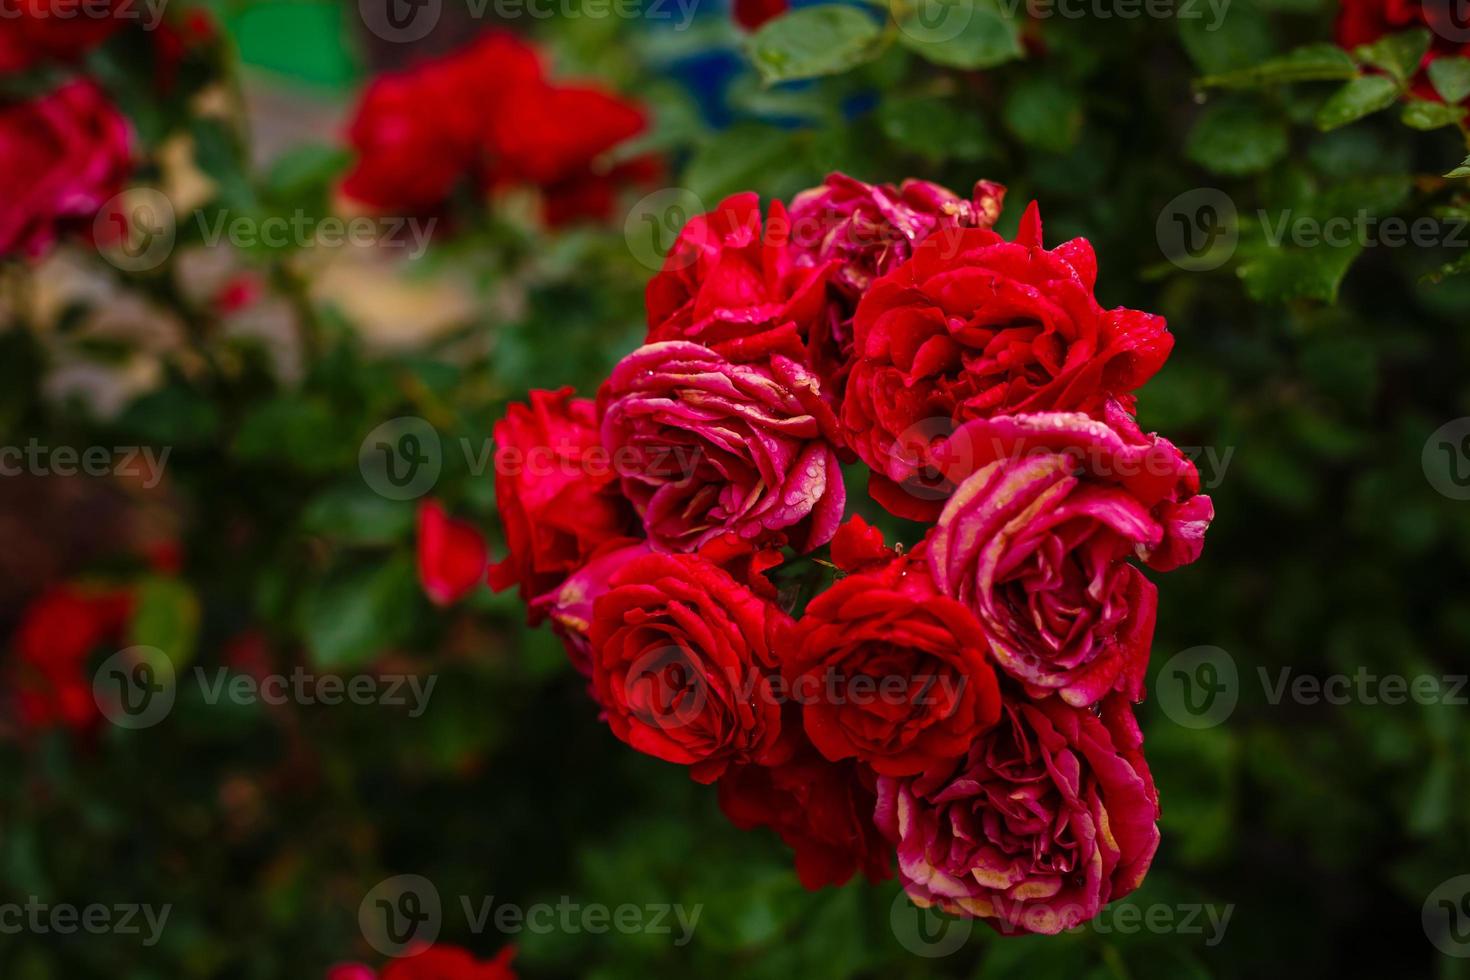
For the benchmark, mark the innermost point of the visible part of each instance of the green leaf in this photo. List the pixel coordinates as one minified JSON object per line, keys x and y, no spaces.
{"x":1275,"y":275}
{"x":1044,"y":114}
{"x":813,"y":41}
{"x":1358,"y":98}
{"x":352,"y":513}
{"x":1236,"y":138}
{"x":965,"y":34}
{"x":935,"y":128}
{"x":1238,"y":37}
{"x":1463,"y":170}
{"x":1314,"y":62}
{"x":1397,"y":54}
{"x":1423,"y":114}
{"x":1451,"y":78}
{"x":349,"y":620}
{"x":167,"y":618}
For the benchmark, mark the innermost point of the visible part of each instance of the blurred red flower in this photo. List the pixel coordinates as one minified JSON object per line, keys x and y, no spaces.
{"x":33,"y":32}
{"x":452,"y":556}
{"x":58,"y":631}
{"x":66,"y":153}
{"x":488,"y":115}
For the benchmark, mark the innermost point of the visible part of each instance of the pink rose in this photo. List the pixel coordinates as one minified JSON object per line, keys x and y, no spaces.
{"x":705,"y":446}
{"x":1050,"y":816}
{"x":66,"y":153}
{"x":866,"y":231}
{"x":1036,"y":540}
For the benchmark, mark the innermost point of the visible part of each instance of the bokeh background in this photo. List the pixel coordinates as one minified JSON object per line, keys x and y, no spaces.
{"x":1313,"y":382}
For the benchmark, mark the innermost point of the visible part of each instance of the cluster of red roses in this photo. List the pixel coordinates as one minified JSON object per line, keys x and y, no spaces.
{"x":966,"y":702}
{"x":489,"y":116}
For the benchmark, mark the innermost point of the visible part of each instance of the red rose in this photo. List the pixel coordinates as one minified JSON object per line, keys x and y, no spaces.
{"x":864,"y":231}
{"x":730,"y":284}
{"x":890,"y":672}
{"x":569,"y":606}
{"x":555,"y":137}
{"x":451,"y":554}
{"x":705,"y":446}
{"x":822,"y":810}
{"x":682,"y":661}
{"x":57,"y":633}
{"x":66,"y":153}
{"x":36,"y":31}
{"x":434,"y":963}
{"x":420,"y":132}
{"x":1050,"y":816}
{"x":1365,"y":21}
{"x":487,"y":115}
{"x":974,"y":326}
{"x":556,"y":493}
